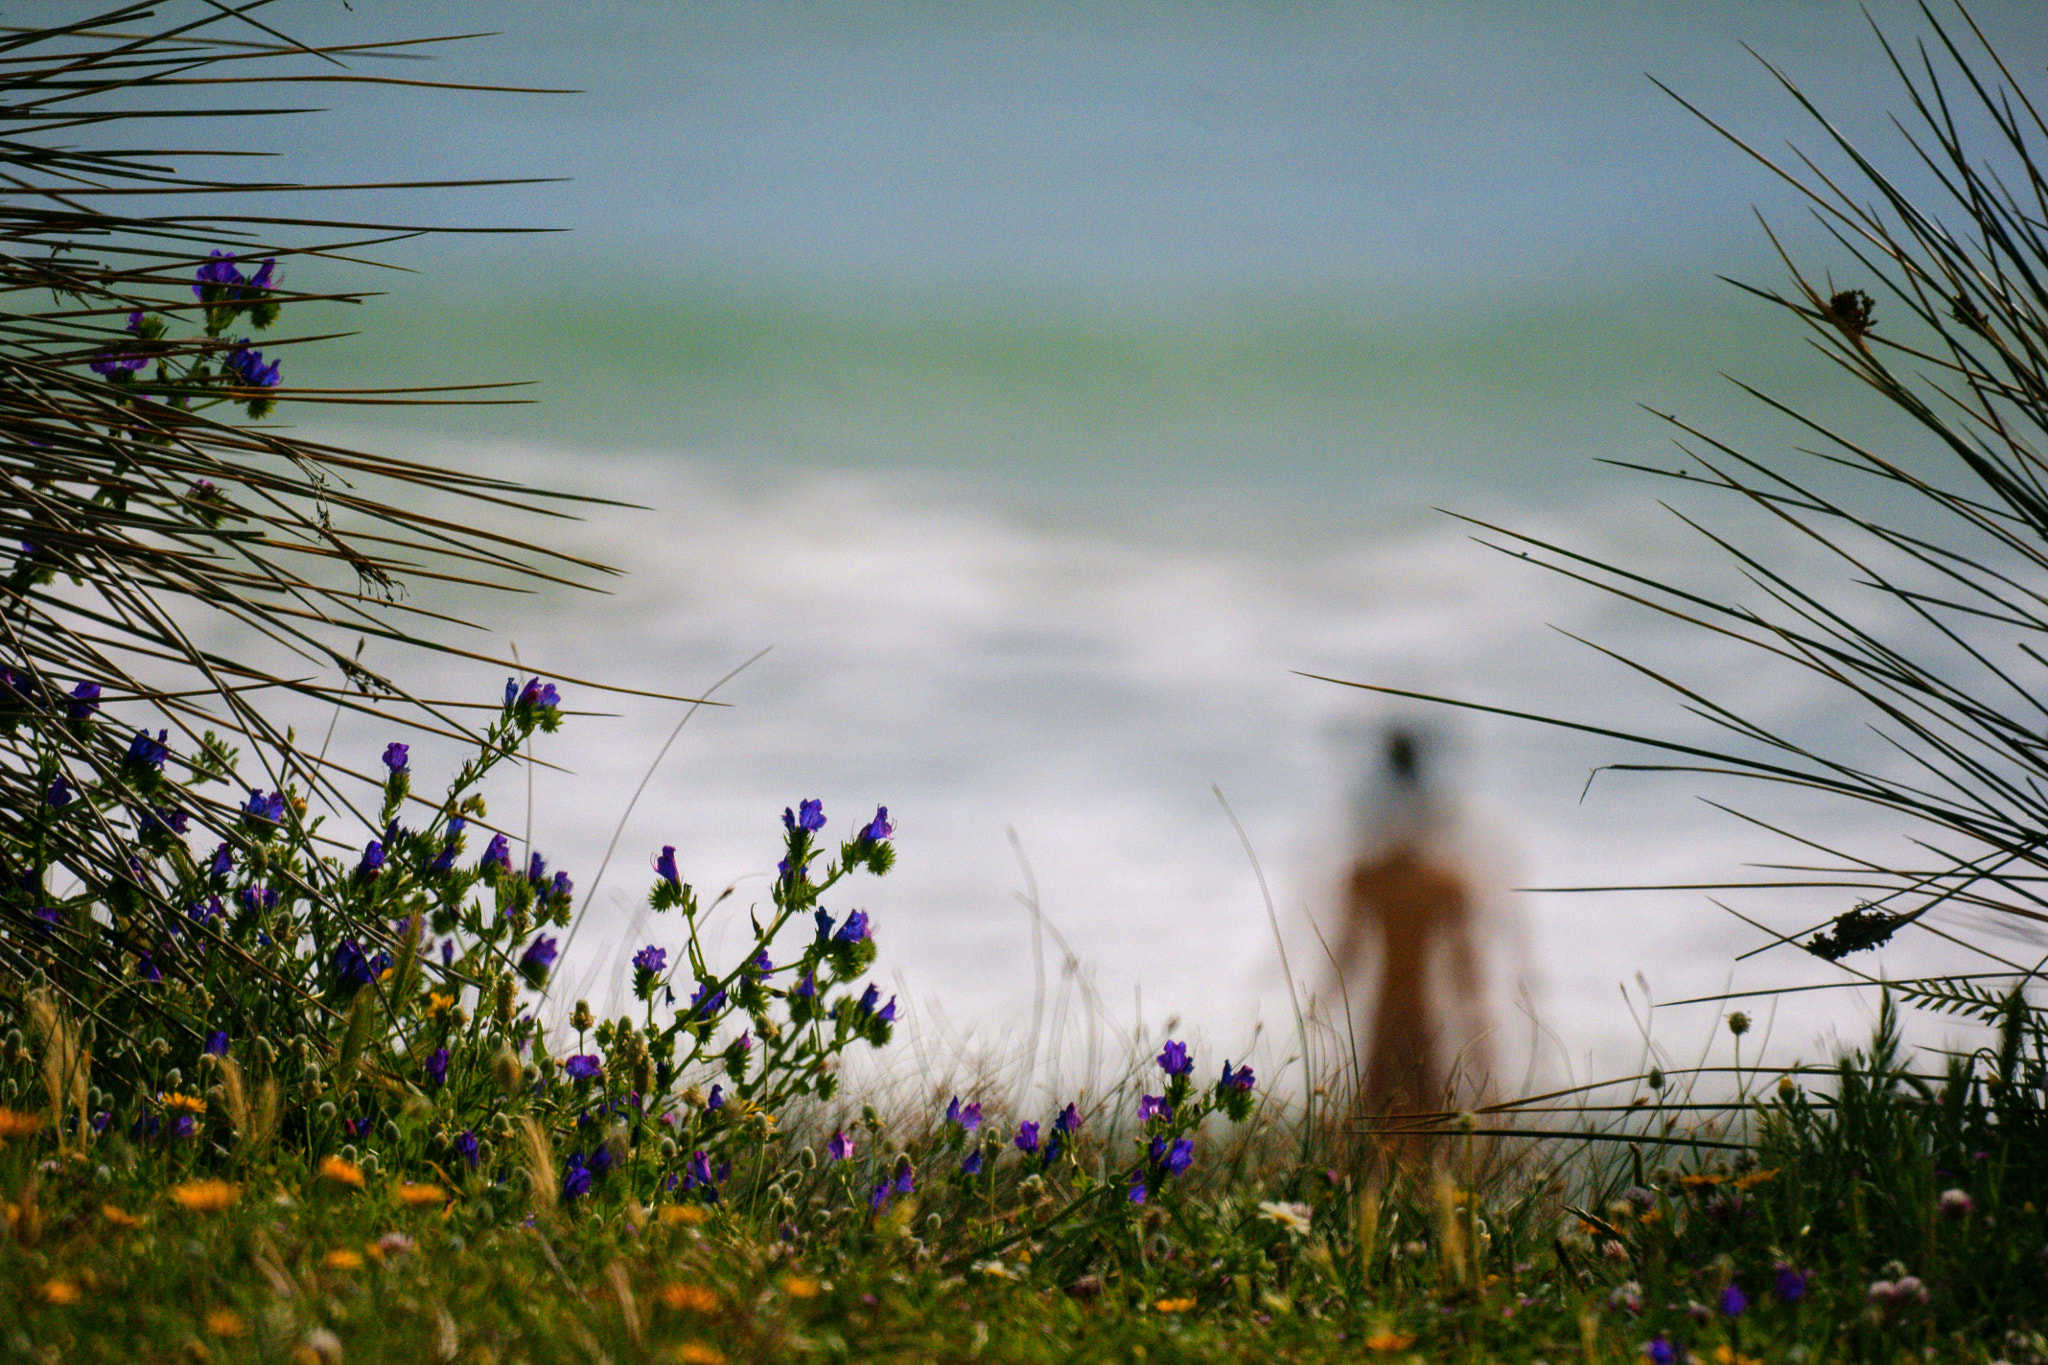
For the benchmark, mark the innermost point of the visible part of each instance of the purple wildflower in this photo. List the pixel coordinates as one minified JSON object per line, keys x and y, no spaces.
{"x":536,"y":696}
{"x":1175,"y":1159}
{"x":665,"y":866}
{"x":1069,"y":1119}
{"x":708,"y":1000}
{"x":218,"y":1044}
{"x":1659,"y":1351}
{"x":1733,"y":1302}
{"x":1241,"y":1079}
{"x":854,"y":930}
{"x":466,"y":1144}
{"x":576,"y":1179}
{"x":353,"y":967}
{"x":395,"y":755}
{"x":1789,"y":1283}
{"x":879,"y":829}
{"x":840,"y":1148}
{"x":809,"y":816}
{"x":60,"y":793}
{"x":85,"y":699}
{"x":245,"y":363}
{"x":144,"y":752}
{"x":650,"y":958}
{"x":222,"y":862}
{"x":1137,"y":1194}
{"x":261,"y":806}
{"x":539,"y":955}
{"x":972,"y":1164}
{"x":807,"y":988}
{"x":1153,"y":1107}
{"x":497,"y":854}
{"x":716,"y":1100}
{"x":1174,"y":1060}
{"x":1027,"y":1138}
{"x":583,"y":1067}
{"x":437,"y":1067}
{"x":536,"y":868}
{"x":373,"y":859}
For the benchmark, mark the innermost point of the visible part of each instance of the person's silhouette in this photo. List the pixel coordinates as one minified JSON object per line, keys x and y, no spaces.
{"x":1409,"y":917}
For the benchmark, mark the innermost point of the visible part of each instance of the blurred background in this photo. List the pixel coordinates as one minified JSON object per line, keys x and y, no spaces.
{"x":1050,"y":386}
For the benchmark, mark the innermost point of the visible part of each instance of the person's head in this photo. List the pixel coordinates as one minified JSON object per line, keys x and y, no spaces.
{"x":1404,"y":757}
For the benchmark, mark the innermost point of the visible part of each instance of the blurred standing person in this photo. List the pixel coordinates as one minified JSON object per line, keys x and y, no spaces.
{"x":1409,"y":941}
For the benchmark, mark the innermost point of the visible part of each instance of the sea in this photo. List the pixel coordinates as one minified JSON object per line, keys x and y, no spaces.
{"x":1047,"y":421}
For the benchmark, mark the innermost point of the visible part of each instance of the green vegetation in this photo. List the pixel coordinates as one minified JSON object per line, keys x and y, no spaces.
{"x":268,"y":1092}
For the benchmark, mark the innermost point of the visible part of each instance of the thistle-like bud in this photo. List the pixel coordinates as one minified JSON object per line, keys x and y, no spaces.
{"x":505,"y":1070}
{"x":504,"y":991}
{"x":581,"y":1018}
{"x":1738,"y":1023}
{"x":806,"y":1159}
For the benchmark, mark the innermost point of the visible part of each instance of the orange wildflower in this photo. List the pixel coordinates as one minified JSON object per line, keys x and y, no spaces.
{"x":191,"y":1104}
{"x":341,"y":1172}
{"x":13,"y":1125}
{"x":205,"y":1196}
{"x":118,"y":1218}
{"x":60,"y":1292}
{"x":1755,"y":1178}
{"x":1389,"y":1341}
{"x":342,"y":1258}
{"x":693,"y":1298}
{"x":415,"y":1195}
{"x":1174,"y":1305}
{"x":800,"y":1287}
{"x":689,"y":1215}
{"x":225,"y":1322}
{"x":697,"y":1353}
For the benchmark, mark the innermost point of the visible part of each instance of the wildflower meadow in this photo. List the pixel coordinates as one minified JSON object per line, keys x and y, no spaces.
{"x":287,"y":1074}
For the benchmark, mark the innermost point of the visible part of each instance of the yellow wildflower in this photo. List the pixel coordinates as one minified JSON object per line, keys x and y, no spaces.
{"x":800,"y":1287}
{"x":118,"y":1218}
{"x":689,"y":1215}
{"x":1693,"y":1182}
{"x":697,"y":1353}
{"x":694,"y":1298}
{"x":13,"y":1125}
{"x":1389,"y":1341}
{"x":1754,"y":1179}
{"x":1174,"y":1305}
{"x":341,"y":1172}
{"x":1727,"y":1355}
{"x":414,"y":1195}
{"x":342,"y":1258}
{"x":225,"y":1322}
{"x":191,"y":1104}
{"x":437,"y":1003}
{"x":60,"y":1292}
{"x":205,"y":1196}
